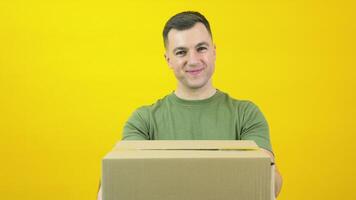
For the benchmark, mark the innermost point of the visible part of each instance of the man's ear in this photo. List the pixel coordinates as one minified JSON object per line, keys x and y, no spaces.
{"x":166,"y":57}
{"x":214,"y":52}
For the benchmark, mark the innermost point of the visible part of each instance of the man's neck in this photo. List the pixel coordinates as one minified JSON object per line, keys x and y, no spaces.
{"x":195,"y":94}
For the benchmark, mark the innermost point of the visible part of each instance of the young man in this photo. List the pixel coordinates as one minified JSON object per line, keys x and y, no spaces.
{"x":196,"y":110}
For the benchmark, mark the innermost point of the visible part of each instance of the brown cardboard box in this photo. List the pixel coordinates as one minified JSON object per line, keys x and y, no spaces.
{"x":187,"y":170}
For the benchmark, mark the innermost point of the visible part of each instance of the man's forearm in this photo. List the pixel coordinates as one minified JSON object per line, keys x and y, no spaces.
{"x":277,"y":176}
{"x":277,"y":182}
{"x":99,"y":197}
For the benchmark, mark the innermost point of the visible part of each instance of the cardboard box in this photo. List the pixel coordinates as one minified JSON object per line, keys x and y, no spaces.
{"x":187,"y":170}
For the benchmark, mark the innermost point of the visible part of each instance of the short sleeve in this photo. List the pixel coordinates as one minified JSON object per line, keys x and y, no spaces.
{"x":255,"y":127}
{"x":137,"y":126}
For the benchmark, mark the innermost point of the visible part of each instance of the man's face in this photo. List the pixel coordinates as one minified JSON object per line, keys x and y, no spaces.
{"x":191,"y":55}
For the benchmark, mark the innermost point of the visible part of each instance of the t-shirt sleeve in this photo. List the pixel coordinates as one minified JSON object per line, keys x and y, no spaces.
{"x":137,"y":126}
{"x":255,"y":127}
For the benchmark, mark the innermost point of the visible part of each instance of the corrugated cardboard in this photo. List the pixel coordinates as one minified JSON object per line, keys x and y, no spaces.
{"x":187,"y":170}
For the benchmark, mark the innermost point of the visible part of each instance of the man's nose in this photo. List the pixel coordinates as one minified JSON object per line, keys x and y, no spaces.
{"x":193,"y":59}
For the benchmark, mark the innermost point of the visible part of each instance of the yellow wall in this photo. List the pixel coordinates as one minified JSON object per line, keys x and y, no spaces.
{"x":71,"y":72}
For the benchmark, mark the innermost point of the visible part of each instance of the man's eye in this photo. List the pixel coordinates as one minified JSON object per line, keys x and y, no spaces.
{"x":201,"y":49}
{"x":180,"y":53}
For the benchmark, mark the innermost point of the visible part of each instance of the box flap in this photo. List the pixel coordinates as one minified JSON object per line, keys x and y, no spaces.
{"x":187,"y":145}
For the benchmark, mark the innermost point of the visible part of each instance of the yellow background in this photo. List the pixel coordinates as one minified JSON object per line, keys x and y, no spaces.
{"x":71,"y":73}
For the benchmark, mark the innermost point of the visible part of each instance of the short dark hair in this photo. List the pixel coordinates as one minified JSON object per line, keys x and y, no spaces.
{"x":184,"y":20}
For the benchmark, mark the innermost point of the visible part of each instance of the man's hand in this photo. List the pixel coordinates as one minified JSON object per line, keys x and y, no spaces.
{"x":277,"y":178}
{"x":99,"y":194}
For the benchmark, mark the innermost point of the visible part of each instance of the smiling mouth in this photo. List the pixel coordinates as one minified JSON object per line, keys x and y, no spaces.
{"x":194,"y":72}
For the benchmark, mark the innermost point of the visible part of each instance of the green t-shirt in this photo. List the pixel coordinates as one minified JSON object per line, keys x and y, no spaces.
{"x":219,"y":117}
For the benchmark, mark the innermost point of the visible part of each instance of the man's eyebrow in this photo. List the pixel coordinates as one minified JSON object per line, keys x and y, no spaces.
{"x":202,"y":44}
{"x":198,"y":45}
{"x":179,"y":48}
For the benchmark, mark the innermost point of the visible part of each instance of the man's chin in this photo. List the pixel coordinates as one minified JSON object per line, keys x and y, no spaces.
{"x":195,"y":86}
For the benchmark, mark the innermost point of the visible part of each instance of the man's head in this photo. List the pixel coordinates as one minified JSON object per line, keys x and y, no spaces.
{"x":183,"y":21}
{"x":190,"y":51}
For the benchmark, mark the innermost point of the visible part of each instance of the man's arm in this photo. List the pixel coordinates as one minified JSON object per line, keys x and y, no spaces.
{"x":135,"y":128}
{"x":255,"y":127}
{"x":99,"y":193}
{"x":278,"y":181}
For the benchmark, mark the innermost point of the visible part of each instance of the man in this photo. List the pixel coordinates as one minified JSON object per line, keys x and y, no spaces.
{"x":196,"y":110}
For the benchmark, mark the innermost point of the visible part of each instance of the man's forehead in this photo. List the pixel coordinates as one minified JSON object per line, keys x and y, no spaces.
{"x":196,"y":35}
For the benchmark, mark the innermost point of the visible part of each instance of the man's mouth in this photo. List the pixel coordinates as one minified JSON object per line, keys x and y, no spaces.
{"x":195,"y":71}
